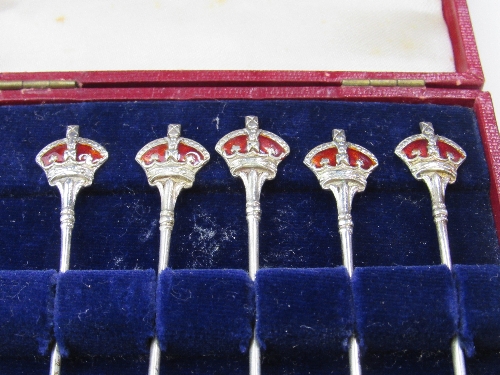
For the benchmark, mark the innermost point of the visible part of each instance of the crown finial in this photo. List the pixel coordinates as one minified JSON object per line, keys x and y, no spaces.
{"x":72,"y":156}
{"x":251,"y":148}
{"x":340,"y":160}
{"x":339,"y":139}
{"x":172,"y":157}
{"x":426,"y":128}
{"x":428,"y":153}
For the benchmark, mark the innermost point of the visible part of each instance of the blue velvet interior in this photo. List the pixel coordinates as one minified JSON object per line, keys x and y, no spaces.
{"x":104,"y":313}
{"x":304,"y":311}
{"x":205,"y":312}
{"x":405,"y":308}
{"x":117,"y":217}
{"x":26,"y":307}
{"x":479,"y":297}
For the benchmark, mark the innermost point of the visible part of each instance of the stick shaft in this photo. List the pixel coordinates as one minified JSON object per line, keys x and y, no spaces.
{"x":344,"y":194}
{"x":67,"y":223}
{"x":169,"y":191}
{"x":253,"y":267}
{"x":253,"y":246}
{"x":437,"y":187}
{"x":253,"y":185}
{"x":458,"y":357}
{"x":154,"y":349}
{"x":254,"y":357}
{"x":354,"y":362}
{"x":68,"y":189}
{"x":165,"y":236}
{"x":154,"y":357}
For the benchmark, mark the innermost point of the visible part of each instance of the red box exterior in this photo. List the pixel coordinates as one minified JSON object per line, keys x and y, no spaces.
{"x":468,"y":73}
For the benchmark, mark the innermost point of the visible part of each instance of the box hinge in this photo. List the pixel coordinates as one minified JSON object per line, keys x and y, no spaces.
{"x":384,"y":82}
{"x":53,"y":84}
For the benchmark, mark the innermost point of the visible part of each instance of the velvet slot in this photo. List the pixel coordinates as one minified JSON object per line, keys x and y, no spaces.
{"x":104,"y":313}
{"x":304,"y":311}
{"x":405,"y":308}
{"x":26,"y":312}
{"x":204,"y":312}
{"x":479,"y":302}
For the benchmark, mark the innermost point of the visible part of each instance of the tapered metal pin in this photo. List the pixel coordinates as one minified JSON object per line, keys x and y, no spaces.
{"x":253,"y":155}
{"x":170,"y":164}
{"x":435,"y":160}
{"x":343,"y":168}
{"x":69,"y":164}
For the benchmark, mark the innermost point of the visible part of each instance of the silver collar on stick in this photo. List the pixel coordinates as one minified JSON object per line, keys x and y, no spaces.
{"x":343,"y":168}
{"x":253,"y":155}
{"x":435,"y":160}
{"x":171,"y":164}
{"x":69,"y":164}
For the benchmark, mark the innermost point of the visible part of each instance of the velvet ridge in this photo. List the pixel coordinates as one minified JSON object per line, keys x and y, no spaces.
{"x":405,"y":308}
{"x":26,"y":312}
{"x":479,"y":297}
{"x":104,"y":313}
{"x":204,"y":312}
{"x":304,"y":311}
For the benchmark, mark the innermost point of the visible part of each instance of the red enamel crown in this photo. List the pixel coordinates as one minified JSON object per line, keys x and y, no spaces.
{"x":252,"y":147}
{"x":428,"y":152}
{"x":340,"y":161}
{"x":71,"y":157}
{"x":172,"y":157}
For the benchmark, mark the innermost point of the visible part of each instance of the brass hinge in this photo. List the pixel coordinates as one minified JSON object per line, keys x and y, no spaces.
{"x":54,"y":84}
{"x":384,"y":82}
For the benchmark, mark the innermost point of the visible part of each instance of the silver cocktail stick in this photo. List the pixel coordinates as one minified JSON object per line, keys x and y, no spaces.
{"x":170,"y":164}
{"x":343,"y":168}
{"x":69,"y":164}
{"x":253,"y":155}
{"x":435,"y":160}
